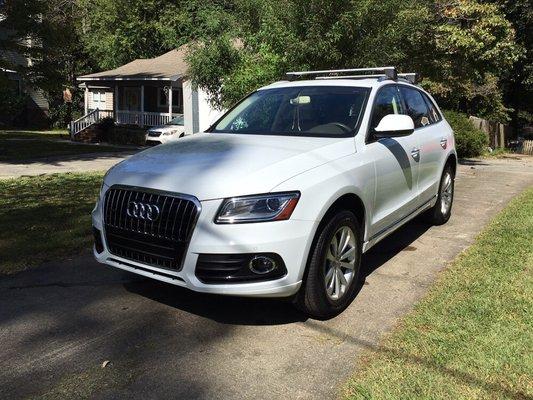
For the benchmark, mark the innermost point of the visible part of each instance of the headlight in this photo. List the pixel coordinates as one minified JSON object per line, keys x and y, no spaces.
{"x":172,"y":132}
{"x":260,"y":208}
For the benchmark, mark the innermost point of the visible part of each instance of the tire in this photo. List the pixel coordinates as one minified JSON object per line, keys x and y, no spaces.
{"x":440,"y":213}
{"x":316,"y":298}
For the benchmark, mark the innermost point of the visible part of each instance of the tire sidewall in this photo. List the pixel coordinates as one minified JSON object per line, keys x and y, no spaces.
{"x":438,"y":210}
{"x":330,"y":307}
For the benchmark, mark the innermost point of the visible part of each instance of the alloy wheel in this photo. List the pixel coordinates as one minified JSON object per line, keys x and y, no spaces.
{"x":340,"y":263}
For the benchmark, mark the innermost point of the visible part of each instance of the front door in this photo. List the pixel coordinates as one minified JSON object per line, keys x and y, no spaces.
{"x":132,"y":99}
{"x":396,"y":163}
{"x":429,"y":133}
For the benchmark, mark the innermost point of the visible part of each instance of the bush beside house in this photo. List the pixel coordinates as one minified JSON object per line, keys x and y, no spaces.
{"x":469,"y":140}
{"x":107,"y":131}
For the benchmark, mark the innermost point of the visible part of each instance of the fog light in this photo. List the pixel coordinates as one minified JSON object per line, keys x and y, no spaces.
{"x":262,"y":265}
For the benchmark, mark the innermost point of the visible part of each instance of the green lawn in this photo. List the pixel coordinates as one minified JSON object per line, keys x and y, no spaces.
{"x":472,"y":336}
{"x":45,"y":218}
{"x":29,"y":134}
{"x":18,"y":146}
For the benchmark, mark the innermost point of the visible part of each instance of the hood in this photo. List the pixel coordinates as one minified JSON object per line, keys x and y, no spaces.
{"x":211,"y":166}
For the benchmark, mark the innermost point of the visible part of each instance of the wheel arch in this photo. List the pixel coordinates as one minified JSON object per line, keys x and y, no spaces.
{"x":452,"y":162}
{"x":348,"y":201}
{"x":344,"y":200}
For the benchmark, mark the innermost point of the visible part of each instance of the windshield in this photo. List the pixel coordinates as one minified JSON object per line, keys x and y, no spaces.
{"x":305,"y":110}
{"x":176,"y":120}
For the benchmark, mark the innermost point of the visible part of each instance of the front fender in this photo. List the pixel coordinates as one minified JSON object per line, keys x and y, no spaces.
{"x":322,"y":186}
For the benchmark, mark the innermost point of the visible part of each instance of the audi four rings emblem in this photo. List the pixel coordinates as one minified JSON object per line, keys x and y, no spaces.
{"x":144,"y":211}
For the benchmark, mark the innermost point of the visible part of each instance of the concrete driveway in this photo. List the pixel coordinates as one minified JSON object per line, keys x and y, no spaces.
{"x":59,"y":323}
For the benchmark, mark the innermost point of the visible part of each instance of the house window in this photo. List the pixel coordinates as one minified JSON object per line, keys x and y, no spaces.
{"x":99,"y":99}
{"x":162,"y":98}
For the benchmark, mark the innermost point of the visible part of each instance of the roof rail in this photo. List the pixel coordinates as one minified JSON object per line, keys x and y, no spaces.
{"x":354,"y":73}
{"x":411,"y":77}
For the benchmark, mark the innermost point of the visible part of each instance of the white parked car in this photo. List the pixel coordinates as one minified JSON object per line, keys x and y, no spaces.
{"x":171,"y":131}
{"x":282,"y":195}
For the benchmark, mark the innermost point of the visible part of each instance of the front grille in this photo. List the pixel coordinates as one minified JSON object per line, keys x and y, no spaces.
{"x":159,"y":241}
{"x":154,"y":133}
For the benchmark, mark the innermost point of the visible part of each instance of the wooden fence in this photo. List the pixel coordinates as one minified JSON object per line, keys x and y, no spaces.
{"x":498,"y":134}
{"x":527,"y":147}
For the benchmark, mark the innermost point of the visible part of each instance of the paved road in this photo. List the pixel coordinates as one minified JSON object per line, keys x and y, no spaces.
{"x":59,"y":323}
{"x":60,"y":164}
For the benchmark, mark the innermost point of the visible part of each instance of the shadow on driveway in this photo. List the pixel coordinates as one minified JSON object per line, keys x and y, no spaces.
{"x":258,"y":311}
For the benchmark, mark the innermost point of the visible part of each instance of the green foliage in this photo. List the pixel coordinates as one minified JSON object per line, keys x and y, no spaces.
{"x":474,"y":55}
{"x":47,"y":32}
{"x":280,"y":35}
{"x":469,"y":140}
{"x":473,"y":45}
{"x":116,"y":32}
{"x":461,"y":48}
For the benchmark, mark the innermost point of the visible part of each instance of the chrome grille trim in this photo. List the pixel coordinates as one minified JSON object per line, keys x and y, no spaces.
{"x":161,"y":243}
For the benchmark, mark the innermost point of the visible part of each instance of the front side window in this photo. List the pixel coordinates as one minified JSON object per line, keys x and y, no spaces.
{"x":416,"y":106}
{"x":305,"y":111}
{"x":387,"y":102}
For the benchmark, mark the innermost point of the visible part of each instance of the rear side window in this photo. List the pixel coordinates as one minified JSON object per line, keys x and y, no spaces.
{"x":434,"y":115}
{"x":416,"y":106}
{"x":387,"y":102}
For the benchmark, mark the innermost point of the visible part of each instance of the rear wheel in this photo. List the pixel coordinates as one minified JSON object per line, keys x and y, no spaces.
{"x":442,"y":210}
{"x":333,"y":270}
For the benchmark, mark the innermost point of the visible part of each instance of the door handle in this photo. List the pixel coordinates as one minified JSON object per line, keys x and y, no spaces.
{"x":443,"y":143}
{"x":415,"y":152}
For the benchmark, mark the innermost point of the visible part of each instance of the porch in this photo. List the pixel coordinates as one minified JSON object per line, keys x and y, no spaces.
{"x":131,"y":103}
{"x":140,"y":119}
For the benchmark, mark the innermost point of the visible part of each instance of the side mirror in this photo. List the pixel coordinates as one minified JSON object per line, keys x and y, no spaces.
{"x":394,"y":125}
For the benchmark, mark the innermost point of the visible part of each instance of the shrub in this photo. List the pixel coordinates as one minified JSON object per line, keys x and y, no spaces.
{"x":108,"y":132}
{"x":125,"y":134}
{"x":469,"y":140}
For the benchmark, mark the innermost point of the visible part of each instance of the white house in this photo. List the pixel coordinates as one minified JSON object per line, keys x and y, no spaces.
{"x":145,"y":92}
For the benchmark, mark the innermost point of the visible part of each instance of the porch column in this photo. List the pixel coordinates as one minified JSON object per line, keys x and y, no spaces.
{"x":170,"y":102}
{"x":142,"y":105}
{"x":115,"y":100}
{"x":86,"y":99}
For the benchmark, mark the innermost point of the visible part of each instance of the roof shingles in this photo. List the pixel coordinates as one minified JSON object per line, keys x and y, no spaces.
{"x":171,"y":66}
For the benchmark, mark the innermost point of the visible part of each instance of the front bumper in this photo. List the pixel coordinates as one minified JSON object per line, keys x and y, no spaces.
{"x":161,"y":139}
{"x":289,"y":239}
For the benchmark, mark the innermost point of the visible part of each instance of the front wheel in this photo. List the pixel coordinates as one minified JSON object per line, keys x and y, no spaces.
{"x":333,"y":270}
{"x":442,"y":210}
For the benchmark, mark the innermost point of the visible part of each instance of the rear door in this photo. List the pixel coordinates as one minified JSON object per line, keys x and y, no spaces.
{"x":396,"y":166}
{"x":431,"y":136}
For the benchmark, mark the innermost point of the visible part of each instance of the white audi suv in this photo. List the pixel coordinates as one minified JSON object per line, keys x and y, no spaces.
{"x":282,"y":195}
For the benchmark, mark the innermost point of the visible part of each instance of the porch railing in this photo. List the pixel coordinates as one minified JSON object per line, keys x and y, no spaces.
{"x":144,"y":119}
{"x":84,"y":122}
